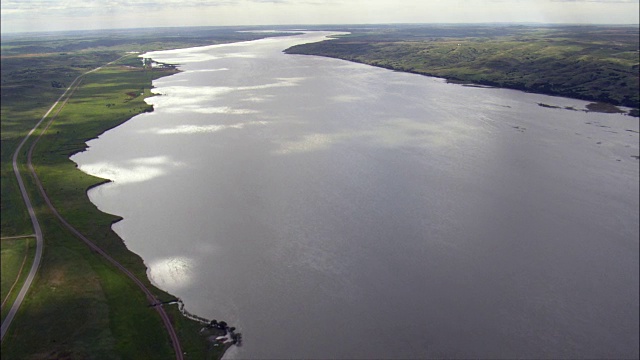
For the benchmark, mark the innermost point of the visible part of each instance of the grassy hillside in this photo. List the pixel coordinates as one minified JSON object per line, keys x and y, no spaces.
{"x":585,"y":62}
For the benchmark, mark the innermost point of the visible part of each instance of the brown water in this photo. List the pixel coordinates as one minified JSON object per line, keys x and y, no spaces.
{"x":336,"y":210}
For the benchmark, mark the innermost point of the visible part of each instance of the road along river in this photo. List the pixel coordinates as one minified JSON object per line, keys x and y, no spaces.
{"x":335,"y":210}
{"x":38,"y":232}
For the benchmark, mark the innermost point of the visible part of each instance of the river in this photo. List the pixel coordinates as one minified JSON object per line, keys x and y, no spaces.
{"x":329,"y":209}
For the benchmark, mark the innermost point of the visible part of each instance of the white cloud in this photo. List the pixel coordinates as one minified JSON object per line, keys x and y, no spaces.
{"x":38,"y":14}
{"x":601,"y":1}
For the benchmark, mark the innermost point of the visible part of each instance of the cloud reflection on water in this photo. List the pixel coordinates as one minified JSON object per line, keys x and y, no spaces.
{"x":312,"y":142}
{"x":131,"y":171}
{"x":198,"y":99}
{"x":172,"y":272}
{"x":393,"y":133}
{"x":194,"y":55}
{"x":200,"y":129}
{"x":208,"y":70}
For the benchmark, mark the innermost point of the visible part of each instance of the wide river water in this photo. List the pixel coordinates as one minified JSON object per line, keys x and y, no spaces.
{"x":329,"y":209}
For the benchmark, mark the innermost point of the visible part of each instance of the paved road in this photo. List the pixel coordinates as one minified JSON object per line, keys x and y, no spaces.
{"x":39,"y":241}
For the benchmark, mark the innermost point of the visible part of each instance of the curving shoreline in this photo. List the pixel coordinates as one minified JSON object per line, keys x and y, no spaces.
{"x":168,"y":70}
{"x":112,"y":299}
{"x":595,"y":105}
{"x":248,"y":326}
{"x":211,"y":250}
{"x":557,"y":60}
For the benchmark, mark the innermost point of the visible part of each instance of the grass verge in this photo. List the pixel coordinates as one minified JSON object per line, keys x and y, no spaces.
{"x":17,"y":257}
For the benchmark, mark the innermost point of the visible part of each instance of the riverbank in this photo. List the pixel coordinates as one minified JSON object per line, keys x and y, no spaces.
{"x":594,"y":63}
{"x":83,"y":305}
{"x":318,"y":176}
{"x":81,"y":302}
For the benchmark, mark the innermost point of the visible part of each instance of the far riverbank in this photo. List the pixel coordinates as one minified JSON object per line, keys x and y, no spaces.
{"x":593,"y":63}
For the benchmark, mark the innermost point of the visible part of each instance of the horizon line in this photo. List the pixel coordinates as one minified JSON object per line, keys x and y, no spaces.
{"x":489,"y":23}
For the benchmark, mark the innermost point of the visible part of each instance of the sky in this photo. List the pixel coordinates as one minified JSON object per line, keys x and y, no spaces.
{"x":54,"y":15}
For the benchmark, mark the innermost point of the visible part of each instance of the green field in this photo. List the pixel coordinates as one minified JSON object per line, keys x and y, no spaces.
{"x":17,"y":256}
{"x":14,"y":252}
{"x":596,"y":63}
{"x":80,"y":306}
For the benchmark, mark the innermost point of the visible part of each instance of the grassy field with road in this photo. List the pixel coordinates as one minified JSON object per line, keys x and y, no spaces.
{"x":17,"y":255}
